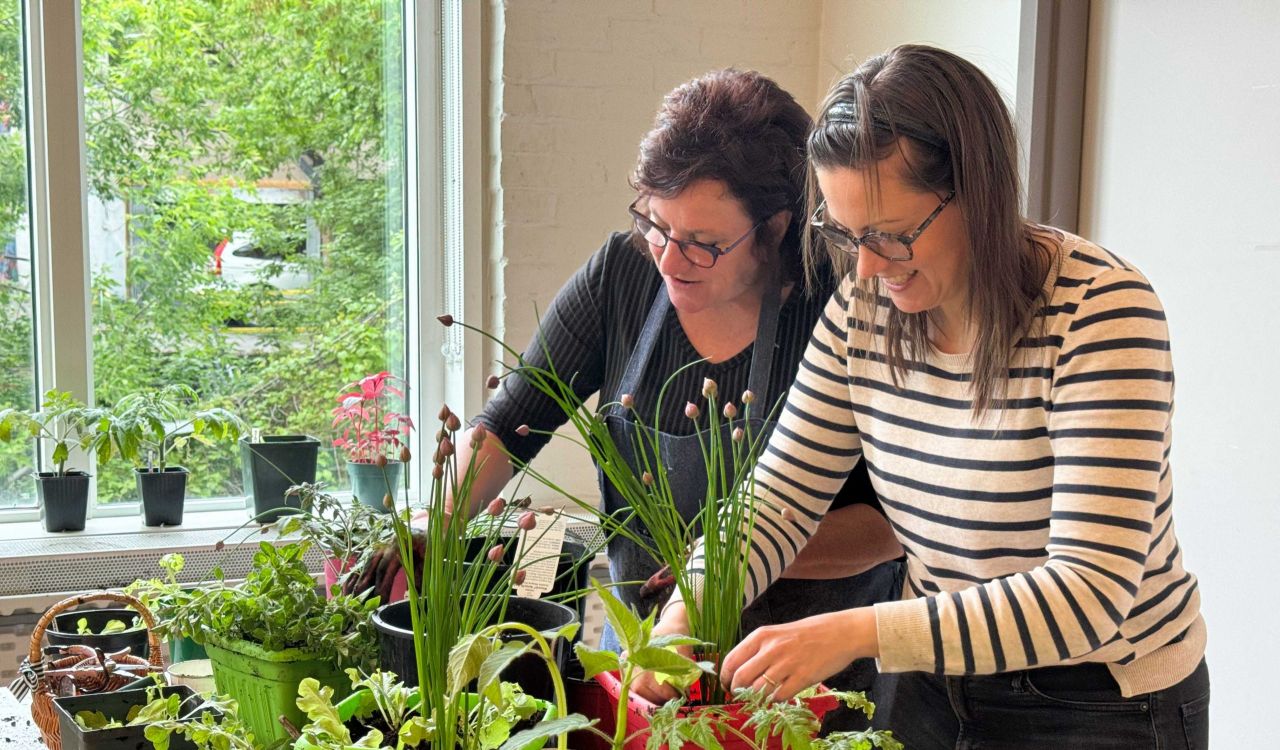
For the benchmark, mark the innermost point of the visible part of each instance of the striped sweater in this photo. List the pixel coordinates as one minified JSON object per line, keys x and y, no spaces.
{"x":1041,"y":534}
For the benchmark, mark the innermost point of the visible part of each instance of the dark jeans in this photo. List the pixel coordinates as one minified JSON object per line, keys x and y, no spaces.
{"x":1053,"y":707}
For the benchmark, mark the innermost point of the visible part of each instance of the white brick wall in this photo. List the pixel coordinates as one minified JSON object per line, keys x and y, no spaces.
{"x":575,"y":85}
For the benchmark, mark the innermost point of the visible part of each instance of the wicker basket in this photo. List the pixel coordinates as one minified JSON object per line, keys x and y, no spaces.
{"x":75,"y":670}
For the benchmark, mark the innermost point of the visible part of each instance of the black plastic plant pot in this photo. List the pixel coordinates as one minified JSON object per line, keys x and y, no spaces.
{"x":116,"y":706}
{"x":164,"y":495}
{"x":66,"y":626}
{"x":395,"y":642}
{"x":273,"y":465}
{"x":64,"y":500}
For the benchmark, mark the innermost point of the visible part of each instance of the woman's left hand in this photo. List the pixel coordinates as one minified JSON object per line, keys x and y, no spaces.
{"x":785,"y":659}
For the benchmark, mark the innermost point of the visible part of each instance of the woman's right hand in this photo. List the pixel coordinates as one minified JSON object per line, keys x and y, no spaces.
{"x":674,"y":621}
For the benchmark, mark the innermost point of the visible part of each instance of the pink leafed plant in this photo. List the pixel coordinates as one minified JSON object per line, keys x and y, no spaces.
{"x":371,"y":431}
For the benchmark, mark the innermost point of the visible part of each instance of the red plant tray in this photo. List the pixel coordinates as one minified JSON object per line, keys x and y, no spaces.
{"x":639,"y":710}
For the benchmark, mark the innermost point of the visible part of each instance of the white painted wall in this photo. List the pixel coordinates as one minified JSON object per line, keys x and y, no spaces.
{"x":1182,"y":177}
{"x":984,"y":32}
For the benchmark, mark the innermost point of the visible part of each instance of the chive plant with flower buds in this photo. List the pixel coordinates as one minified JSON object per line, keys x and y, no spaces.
{"x":725,"y":520}
{"x":451,"y":597}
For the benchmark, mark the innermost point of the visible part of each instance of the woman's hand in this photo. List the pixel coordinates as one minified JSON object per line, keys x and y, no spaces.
{"x":645,"y":684}
{"x":785,"y":659}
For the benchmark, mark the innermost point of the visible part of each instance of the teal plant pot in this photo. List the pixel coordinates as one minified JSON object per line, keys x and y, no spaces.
{"x":371,"y":483}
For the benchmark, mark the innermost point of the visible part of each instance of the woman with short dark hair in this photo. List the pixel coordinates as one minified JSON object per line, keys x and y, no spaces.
{"x":1009,"y":387}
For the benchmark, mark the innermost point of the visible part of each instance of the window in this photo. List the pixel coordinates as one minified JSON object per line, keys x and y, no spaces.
{"x":245,"y":220}
{"x":237,"y":218}
{"x":17,"y":340}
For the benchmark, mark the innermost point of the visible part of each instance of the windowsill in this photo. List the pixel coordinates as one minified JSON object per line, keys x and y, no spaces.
{"x":105,"y":526}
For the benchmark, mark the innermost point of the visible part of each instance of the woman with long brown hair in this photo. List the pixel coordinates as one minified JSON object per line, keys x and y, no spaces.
{"x":1009,"y":387}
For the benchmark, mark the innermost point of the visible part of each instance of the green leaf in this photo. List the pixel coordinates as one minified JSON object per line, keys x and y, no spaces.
{"x":465,"y":661}
{"x":595,"y":661}
{"x":92,"y":720}
{"x":488,"y":676}
{"x":316,"y":702}
{"x":546,"y":729}
{"x":664,"y":661}
{"x":625,"y":622}
{"x":158,"y":736}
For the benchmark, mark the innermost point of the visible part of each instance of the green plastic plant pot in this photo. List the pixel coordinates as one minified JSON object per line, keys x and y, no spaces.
{"x":370,"y":482}
{"x":348,"y":706}
{"x":265,"y":683}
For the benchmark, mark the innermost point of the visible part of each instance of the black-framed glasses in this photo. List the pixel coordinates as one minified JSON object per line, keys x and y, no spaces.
{"x":699,"y":254}
{"x":887,"y":245}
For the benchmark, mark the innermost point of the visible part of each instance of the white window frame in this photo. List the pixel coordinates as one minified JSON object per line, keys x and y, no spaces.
{"x":442,"y":108}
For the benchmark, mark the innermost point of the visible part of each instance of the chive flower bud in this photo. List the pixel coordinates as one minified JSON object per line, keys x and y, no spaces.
{"x":748,"y":397}
{"x":437,"y":472}
{"x":491,"y":382}
{"x":405,"y":455}
{"x":647,"y":479}
{"x":453,"y":424}
{"x":388,"y":502}
{"x":738,"y":435}
{"x":519,"y":576}
{"x":528,"y":521}
{"x":444,"y":412}
{"x":446,"y":447}
{"x":496,"y":506}
{"x":445,"y":320}
{"x":495,"y":553}
{"x":691,"y":410}
{"x":709,"y":388}
{"x":730,"y":411}
{"x":628,"y":401}
{"x":523,"y":430}
{"x":380,"y":461}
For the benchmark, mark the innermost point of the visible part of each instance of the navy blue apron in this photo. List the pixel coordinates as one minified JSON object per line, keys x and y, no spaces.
{"x":681,"y":455}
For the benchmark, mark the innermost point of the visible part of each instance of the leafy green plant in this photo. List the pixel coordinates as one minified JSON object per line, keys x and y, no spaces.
{"x":165,"y":597}
{"x":642,"y":651}
{"x":348,"y":532}
{"x":451,"y":597}
{"x":490,"y":713}
{"x":725,"y":518}
{"x":277,"y":606}
{"x":147,"y":425}
{"x":64,"y":421}
{"x":792,"y":723}
{"x":210,"y":724}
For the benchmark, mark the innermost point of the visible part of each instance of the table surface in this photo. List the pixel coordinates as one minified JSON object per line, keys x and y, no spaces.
{"x":17,"y":731}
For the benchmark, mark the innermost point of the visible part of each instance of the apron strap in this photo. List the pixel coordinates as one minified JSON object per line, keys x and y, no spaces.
{"x":644,"y":345}
{"x":766,"y":339}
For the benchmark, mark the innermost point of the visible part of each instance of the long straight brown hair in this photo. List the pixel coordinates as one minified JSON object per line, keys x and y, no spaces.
{"x":955,"y":134}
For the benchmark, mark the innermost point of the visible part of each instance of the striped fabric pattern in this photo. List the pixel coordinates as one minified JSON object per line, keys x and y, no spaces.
{"x":1041,"y":534}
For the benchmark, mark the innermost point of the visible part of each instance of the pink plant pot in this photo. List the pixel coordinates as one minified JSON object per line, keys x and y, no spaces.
{"x":333,"y":569}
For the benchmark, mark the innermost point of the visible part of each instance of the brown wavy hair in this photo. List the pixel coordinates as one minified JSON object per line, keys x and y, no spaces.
{"x":955,"y":133}
{"x":743,"y":129}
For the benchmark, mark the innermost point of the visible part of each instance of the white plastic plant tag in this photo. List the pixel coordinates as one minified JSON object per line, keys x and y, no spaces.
{"x":539,"y":554}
